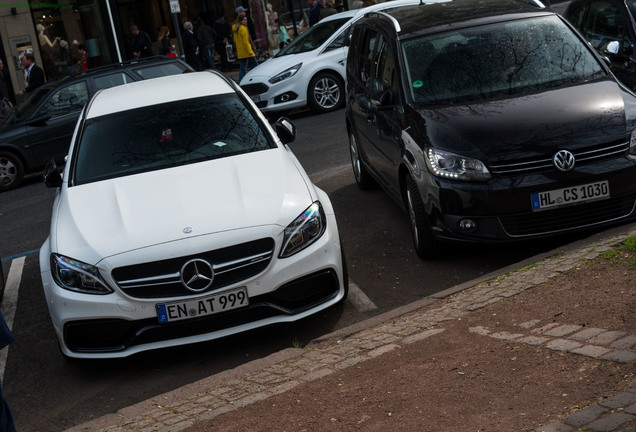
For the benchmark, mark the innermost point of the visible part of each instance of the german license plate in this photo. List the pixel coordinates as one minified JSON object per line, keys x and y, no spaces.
{"x":571,"y":195}
{"x":221,"y":302}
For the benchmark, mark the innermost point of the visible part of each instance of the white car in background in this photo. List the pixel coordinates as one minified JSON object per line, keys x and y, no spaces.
{"x":310,"y":71}
{"x":181,"y":217}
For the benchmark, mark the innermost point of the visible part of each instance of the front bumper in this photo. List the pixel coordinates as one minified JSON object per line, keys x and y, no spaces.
{"x":281,"y":96}
{"x":501,"y":207}
{"x":118,"y":325}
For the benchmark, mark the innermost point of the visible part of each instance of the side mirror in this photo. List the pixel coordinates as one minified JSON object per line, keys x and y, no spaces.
{"x":285,"y":129}
{"x":382,"y":100}
{"x":52,"y":176}
{"x":613,"y":47}
{"x":39,"y":121}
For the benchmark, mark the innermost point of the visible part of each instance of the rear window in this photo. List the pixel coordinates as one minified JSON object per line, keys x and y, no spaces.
{"x":499,"y":59}
{"x":168,"y":135}
{"x":160,"y":70}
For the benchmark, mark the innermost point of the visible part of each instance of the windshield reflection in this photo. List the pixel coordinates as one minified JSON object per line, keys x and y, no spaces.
{"x":499,"y":59}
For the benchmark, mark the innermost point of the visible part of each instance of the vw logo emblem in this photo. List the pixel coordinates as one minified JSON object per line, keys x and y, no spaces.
{"x":564,"y":160}
{"x":197,"y":275}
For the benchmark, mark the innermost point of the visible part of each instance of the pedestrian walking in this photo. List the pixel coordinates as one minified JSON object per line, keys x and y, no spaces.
{"x":140,"y":43}
{"x":223,"y":31}
{"x":283,"y":36}
{"x":33,"y":74}
{"x":191,"y":47}
{"x":245,"y":49}
{"x":206,"y":36}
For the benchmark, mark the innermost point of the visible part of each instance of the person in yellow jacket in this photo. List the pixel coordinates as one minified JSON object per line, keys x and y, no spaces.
{"x":244,"y":47}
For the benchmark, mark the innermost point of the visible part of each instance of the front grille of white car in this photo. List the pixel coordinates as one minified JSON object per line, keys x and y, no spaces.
{"x":255,"y":89}
{"x":162,"y":279}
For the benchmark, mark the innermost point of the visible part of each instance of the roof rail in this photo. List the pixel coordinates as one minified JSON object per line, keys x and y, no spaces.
{"x":120,"y":65}
{"x":395,"y":22}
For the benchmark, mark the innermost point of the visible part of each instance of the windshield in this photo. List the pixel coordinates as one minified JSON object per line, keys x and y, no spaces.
{"x":499,"y":59}
{"x":25,"y":107}
{"x":167,"y":135}
{"x":313,"y":38}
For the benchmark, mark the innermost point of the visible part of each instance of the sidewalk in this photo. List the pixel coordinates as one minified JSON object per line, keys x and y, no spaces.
{"x":458,"y":325}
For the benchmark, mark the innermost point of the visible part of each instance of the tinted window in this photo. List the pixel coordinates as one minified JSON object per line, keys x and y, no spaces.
{"x":606,"y":22}
{"x":111,"y":80}
{"x":24,"y":109}
{"x":575,"y":14}
{"x":164,"y":69}
{"x":498,"y":59}
{"x":66,"y":100}
{"x":166,"y":135}
{"x":313,"y":38}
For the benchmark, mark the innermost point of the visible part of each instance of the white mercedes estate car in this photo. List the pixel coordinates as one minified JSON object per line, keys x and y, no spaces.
{"x":181,"y":216}
{"x":310,"y":71}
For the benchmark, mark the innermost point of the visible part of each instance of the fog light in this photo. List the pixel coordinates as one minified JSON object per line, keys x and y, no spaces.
{"x":468,"y":225}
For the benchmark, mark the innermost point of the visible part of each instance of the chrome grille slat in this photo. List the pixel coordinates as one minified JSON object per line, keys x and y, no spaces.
{"x":582,"y":156}
{"x":162,"y":279}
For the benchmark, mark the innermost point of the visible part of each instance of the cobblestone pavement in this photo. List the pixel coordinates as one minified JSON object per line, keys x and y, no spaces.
{"x":253,"y":382}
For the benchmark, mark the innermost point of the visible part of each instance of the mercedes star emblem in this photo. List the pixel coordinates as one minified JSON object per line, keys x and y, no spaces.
{"x":197,"y":275}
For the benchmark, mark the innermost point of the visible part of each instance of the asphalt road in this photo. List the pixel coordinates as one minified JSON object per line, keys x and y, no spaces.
{"x":50,"y":393}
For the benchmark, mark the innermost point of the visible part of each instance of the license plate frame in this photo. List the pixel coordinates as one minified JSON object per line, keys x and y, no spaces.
{"x":569,"y":196}
{"x":223,"y":301}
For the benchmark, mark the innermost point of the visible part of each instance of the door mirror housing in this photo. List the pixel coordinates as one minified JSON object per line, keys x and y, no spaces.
{"x":51,"y":175}
{"x":285,"y":130}
{"x":614,"y":47}
{"x":39,"y":120}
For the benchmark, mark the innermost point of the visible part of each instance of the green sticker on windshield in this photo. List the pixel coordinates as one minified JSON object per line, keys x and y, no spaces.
{"x":417,"y":84}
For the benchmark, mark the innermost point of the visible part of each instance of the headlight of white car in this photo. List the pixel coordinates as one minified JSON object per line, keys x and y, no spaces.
{"x":287,"y":73}
{"x":77,"y":276}
{"x":452,"y":166}
{"x":306,"y":229}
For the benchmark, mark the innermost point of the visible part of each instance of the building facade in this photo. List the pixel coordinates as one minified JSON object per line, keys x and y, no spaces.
{"x":53,"y":30}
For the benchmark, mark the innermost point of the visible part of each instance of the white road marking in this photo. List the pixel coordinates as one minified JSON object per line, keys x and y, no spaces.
{"x":359,"y":299}
{"x":10,"y":303}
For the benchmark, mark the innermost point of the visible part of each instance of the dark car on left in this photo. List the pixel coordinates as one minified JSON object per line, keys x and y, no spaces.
{"x":40,"y":127}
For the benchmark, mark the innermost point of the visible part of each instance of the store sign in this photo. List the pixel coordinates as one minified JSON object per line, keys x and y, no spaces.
{"x":174,"y":6}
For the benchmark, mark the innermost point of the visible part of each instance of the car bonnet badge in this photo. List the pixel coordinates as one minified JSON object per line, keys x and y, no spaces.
{"x":197,"y":275}
{"x":564,"y":160}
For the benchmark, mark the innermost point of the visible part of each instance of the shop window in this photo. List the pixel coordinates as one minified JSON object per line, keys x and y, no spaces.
{"x":63,"y":29}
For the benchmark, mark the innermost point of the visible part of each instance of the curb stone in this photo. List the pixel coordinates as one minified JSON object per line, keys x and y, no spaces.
{"x":282,"y":371}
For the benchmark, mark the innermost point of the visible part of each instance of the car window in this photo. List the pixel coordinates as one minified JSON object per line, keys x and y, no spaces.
{"x":575,"y":14}
{"x":313,"y":38}
{"x":499,"y":59}
{"x":607,"y":21}
{"x":111,"y":80}
{"x":160,"y":70}
{"x":166,"y":135}
{"x":338,"y":42}
{"x":24,"y":109}
{"x":66,"y":100}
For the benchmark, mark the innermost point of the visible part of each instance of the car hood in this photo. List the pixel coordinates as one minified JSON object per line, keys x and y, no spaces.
{"x":276,"y":65}
{"x":531,"y":125}
{"x":106,"y":218}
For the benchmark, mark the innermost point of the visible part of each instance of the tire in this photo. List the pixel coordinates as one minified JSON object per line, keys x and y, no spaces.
{"x":325,"y":92}
{"x":424,"y":243}
{"x":362,"y":176}
{"x":11,"y":171}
